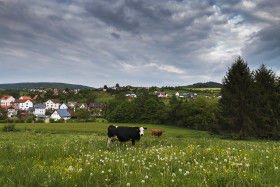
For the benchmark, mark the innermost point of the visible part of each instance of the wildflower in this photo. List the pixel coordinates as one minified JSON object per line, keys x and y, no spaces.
{"x":275,"y":167}
{"x":267,"y":157}
{"x":146,"y":177}
{"x":173,"y":174}
{"x":70,"y":168}
{"x":80,"y":169}
{"x":180,"y":170}
{"x":109,"y":170}
{"x":172,"y":180}
{"x":247,"y":165}
{"x":102,"y":171}
{"x":91,"y":174}
{"x":143,"y":181}
{"x":128,"y":184}
{"x":187,"y":172}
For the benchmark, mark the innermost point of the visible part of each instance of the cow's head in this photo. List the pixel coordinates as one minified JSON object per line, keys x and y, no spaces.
{"x":141,"y":130}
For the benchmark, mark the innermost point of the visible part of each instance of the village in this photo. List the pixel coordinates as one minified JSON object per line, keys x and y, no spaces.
{"x":51,"y":109}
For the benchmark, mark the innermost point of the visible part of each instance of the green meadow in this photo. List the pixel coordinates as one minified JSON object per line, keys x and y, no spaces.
{"x":76,"y":154}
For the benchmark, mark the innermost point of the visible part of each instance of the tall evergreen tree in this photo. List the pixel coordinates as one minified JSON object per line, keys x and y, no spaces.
{"x":236,"y":103}
{"x":266,"y":117}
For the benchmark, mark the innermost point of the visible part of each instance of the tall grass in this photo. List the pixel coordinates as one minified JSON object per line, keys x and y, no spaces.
{"x":50,"y":156}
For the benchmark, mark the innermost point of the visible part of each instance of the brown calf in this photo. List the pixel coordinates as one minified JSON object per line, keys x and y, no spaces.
{"x":156,"y":132}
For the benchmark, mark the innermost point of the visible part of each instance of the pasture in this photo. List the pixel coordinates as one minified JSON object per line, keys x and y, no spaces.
{"x":75,"y":154}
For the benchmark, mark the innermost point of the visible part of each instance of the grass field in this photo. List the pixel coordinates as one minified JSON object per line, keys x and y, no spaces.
{"x":76,"y":155}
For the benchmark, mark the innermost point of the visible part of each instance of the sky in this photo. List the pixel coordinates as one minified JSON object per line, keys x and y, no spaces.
{"x":135,"y":42}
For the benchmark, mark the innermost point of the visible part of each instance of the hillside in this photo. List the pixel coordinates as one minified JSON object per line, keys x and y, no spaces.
{"x":41,"y":85}
{"x":205,"y":85}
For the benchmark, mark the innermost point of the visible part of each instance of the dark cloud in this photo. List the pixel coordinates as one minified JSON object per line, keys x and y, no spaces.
{"x":115,"y":35}
{"x":265,"y":46}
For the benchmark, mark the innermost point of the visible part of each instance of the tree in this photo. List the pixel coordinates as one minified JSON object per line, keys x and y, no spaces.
{"x":3,"y":113}
{"x":82,"y":113}
{"x":236,"y":103}
{"x":266,"y":104}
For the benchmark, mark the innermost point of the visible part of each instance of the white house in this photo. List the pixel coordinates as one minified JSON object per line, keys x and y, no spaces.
{"x":39,"y":109}
{"x":52,"y":104}
{"x":60,"y":113}
{"x":63,"y":106}
{"x":23,"y":104}
{"x":6,"y":100}
{"x":177,"y":94}
{"x":12,"y":110}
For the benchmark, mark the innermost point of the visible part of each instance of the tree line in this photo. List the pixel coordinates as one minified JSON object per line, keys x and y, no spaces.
{"x":249,"y":106}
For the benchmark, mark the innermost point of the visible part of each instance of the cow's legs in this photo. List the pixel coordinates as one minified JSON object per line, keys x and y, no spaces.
{"x":133,"y":142}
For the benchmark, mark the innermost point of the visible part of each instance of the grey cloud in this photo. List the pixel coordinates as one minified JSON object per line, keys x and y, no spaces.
{"x":115,"y":35}
{"x":265,"y":45}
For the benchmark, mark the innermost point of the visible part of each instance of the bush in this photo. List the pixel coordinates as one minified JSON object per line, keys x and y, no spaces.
{"x":40,"y":121}
{"x":29,"y":120}
{"x":9,"y":128}
{"x":52,"y":120}
{"x":61,"y":120}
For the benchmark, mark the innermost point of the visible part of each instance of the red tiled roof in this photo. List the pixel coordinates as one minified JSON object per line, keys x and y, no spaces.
{"x":20,"y":100}
{"x":55,"y":100}
{"x":70,"y":112}
{"x":5,"y":97}
{"x":25,"y":97}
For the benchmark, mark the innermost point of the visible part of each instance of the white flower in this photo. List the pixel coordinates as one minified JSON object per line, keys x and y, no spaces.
{"x":267,"y":157}
{"x":80,"y":169}
{"x":146,"y":176}
{"x":180,"y":170}
{"x":128,"y":184}
{"x":187,"y":172}
{"x":143,"y":181}
{"x":172,"y":180}
{"x":173,"y":174}
{"x":91,"y":174}
{"x":247,"y":165}
{"x":102,"y":171}
{"x":109,"y":170}
{"x":216,"y":159}
{"x":276,"y":167}
{"x":70,"y":168}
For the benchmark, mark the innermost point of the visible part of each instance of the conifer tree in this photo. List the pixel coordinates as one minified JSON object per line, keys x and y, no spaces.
{"x":266,"y":110}
{"x":236,"y":103}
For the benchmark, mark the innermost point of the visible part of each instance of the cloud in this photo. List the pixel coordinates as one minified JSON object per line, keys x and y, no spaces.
{"x":135,"y":42}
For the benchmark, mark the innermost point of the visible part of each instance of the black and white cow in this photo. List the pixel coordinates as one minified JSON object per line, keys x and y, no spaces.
{"x":124,"y":134}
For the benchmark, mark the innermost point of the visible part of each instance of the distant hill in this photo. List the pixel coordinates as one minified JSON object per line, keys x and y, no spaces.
{"x":205,"y":85}
{"x":41,"y":85}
